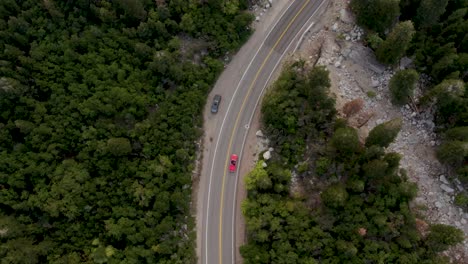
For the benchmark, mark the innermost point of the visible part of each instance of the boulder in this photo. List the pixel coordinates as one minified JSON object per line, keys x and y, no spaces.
{"x":259,"y":133}
{"x":447,"y":188}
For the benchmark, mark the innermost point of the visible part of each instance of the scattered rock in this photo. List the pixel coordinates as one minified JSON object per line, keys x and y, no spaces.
{"x":446,"y":188}
{"x":259,"y":133}
{"x":345,"y":16}
{"x":266,"y":155}
{"x":257,"y":18}
{"x":443,"y":179}
{"x":335,"y":27}
{"x":264,"y":165}
{"x":375,"y":83}
{"x":438,"y":204}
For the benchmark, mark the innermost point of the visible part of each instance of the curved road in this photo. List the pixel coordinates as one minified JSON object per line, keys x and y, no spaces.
{"x":218,"y":187}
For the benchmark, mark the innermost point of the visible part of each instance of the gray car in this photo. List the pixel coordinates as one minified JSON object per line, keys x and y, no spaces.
{"x":215,"y":104}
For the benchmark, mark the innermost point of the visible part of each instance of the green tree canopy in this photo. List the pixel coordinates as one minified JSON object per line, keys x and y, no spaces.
{"x":402,"y":85}
{"x":383,"y":135}
{"x":394,"y":47}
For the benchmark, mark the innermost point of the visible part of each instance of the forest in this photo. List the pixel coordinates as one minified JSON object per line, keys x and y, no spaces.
{"x":100,"y":106}
{"x":352,"y":202}
{"x":433,"y":33}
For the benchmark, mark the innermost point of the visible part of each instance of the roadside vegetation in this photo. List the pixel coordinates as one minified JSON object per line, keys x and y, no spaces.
{"x":435,"y":38}
{"x":100,"y":105}
{"x":352,"y":204}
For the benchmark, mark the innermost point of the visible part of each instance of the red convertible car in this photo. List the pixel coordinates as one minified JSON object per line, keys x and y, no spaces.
{"x":233,"y":163}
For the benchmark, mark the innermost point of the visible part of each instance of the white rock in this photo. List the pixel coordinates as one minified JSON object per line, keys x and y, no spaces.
{"x":335,"y":27}
{"x":413,"y":114}
{"x":446,"y":188}
{"x":337,"y":64}
{"x":438,"y":204}
{"x":267,"y":155}
{"x":259,"y":133}
{"x":463,"y":221}
{"x":267,"y":6}
{"x":433,"y":143}
{"x":264,"y":165}
{"x":347,"y":37}
{"x":443,"y":179}
{"x":257,"y":18}
{"x":375,"y":83}
{"x":271,"y":149}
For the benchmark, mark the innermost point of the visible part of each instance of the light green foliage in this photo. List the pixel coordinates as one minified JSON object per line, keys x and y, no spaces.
{"x":461,"y":199}
{"x":258,"y":179}
{"x":374,"y":40}
{"x":394,"y":47}
{"x":383,"y":135}
{"x":402,"y":85}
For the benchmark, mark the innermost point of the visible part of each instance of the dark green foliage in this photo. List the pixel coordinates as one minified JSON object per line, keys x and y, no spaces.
{"x":461,"y":199}
{"x":457,"y":133}
{"x":100,"y":103}
{"x":443,"y":236}
{"x":402,"y":85}
{"x":374,"y":40}
{"x":334,"y":196}
{"x":377,"y":15}
{"x":428,"y":12}
{"x":296,"y":109}
{"x":440,"y":50}
{"x":394,"y":47}
{"x":346,"y":141}
{"x":452,"y":152}
{"x":118,"y":146}
{"x":384,"y":134}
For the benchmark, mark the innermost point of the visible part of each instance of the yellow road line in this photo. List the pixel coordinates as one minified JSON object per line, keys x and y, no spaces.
{"x":237,"y":122}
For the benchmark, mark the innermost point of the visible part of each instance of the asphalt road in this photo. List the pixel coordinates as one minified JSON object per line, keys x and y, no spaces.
{"x":218,"y":187}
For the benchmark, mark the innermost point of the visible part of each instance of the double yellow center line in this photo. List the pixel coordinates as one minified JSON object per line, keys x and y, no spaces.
{"x":237,"y":122}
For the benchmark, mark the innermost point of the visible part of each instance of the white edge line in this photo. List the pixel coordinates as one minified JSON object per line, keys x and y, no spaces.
{"x":221,"y":129}
{"x":250,"y":121}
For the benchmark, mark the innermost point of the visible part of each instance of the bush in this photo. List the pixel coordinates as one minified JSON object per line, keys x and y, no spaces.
{"x":384,"y":134}
{"x":396,"y":43}
{"x":443,"y":236}
{"x":457,"y":133}
{"x":334,"y":196}
{"x":402,"y":85}
{"x":377,"y":15}
{"x":452,"y":152}
{"x":119,"y":146}
{"x":353,"y":107}
{"x":462,"y":199}
{"x":346,"y":141}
